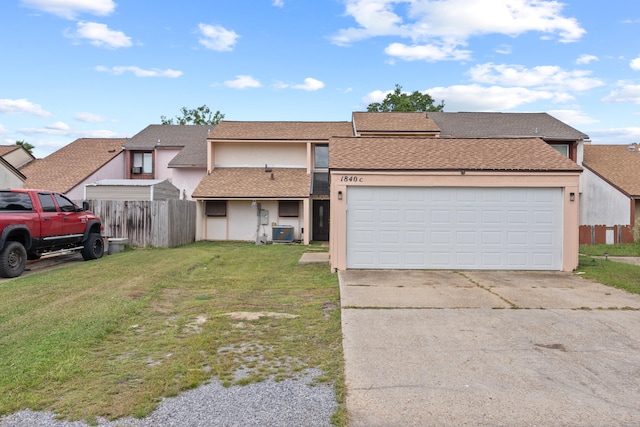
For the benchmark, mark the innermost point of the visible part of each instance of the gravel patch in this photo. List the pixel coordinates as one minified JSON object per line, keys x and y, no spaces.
{"x":269,"y":403}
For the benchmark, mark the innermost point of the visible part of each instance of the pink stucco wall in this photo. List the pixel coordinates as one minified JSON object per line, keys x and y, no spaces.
{"x":567,"y":181}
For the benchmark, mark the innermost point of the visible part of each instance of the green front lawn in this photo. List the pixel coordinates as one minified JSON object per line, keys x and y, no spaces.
{"x":624,"y":249}
{"x":111,"y":337}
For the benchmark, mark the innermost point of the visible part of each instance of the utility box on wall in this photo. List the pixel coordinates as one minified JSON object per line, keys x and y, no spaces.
{"x":282,"y":233}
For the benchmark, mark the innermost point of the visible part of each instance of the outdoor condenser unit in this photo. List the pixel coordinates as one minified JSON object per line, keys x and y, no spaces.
{"x":282,"y":233}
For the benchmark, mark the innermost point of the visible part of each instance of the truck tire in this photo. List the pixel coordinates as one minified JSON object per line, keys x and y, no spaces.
{"x":13,"y":259}
{"x":93,"y":247}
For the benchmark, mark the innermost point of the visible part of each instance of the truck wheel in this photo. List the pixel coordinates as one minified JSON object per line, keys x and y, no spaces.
{"x":93,"y":247}
{"x":13,"y":260}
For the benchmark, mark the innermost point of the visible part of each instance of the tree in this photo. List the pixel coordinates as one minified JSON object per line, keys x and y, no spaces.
{"x":196,"y":116}
{"x":26,"y":146}
{"x":399,"y":101}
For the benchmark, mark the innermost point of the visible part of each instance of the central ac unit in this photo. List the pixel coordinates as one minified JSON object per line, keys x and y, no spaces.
{"x":282,"y":234}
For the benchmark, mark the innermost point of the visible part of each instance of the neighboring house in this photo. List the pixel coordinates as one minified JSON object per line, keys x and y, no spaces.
{"x":177,"y":153}
{"x":266,"y":174}
{"x":10,"y":177}
{"x":12,"y":158}
{"x":83,"y":161}
{"x":564,"y":138}
{"x":131,"y":189}
{"x":16,"y":155}
{"x":416,"y":198}
{"x":610,"y":203}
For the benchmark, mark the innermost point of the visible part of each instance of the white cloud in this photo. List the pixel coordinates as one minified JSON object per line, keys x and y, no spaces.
{"x":429,"y":52}
{"x":69,"y":9}
{"x":628,"y":93}
{"x":635,"y":64}
{"x":492,"y":98}
{"x":242,"y":82}
{"x":452,"y":22}
{"x":24,"y":106}
{"x":218,"y":38}
{"x":615,"y":135}
{"x":100,"y":35}
{"x":62,"y":129}
{"x":573,"y":117}
{"x":586,"y":59}
{"x":310,"y":85}
{"x":140,"y":72}
{"x":3,"y":130}
{"x":504,"y":49}
{"x":89,"y":117}
{"x":278,"y":3}
{"x":548,"y":77}
{"x":58,"y":126}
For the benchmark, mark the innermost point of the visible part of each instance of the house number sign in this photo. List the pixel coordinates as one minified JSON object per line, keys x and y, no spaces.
{"x":351,"y":178}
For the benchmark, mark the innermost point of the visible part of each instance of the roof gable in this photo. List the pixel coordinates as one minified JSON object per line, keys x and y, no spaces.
{"x":499,"y":125}
{"x":490,"y":154}
{"x":282,"y":131}
{"x":616,"y":164}
{"x":69,"y":166}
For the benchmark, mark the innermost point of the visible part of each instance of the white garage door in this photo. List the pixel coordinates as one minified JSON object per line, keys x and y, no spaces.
{"x":454,"y":228}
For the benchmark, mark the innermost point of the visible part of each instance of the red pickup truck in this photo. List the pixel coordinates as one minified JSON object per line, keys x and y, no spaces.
{"x":39,"y":222}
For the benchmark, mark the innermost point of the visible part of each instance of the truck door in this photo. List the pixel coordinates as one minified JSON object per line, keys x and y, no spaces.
{"x":74,"y":221}
{"x":52,"y":222}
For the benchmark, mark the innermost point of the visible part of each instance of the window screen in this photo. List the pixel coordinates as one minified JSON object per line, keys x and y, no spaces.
{"x":288,"y":208}
{"x":217,"y":208}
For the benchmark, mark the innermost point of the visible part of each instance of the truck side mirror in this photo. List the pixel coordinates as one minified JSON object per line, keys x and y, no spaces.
{"x":85,"y":206}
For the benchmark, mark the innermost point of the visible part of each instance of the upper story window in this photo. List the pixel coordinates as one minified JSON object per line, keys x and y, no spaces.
{"x":142,"y":163}
{"x":561,"y":148}
{"x":321,"y":156}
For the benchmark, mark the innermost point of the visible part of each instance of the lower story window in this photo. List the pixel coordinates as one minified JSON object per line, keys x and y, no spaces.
{"x":288,"y":208}
{"x":217,"y":208}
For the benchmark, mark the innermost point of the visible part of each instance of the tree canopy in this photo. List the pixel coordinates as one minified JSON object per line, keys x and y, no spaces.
{"x":26,"y":146}
{"x":196,"y":116}
{"x":399,"y":101}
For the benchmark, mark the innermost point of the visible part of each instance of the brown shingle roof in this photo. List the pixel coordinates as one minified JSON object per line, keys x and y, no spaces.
{"x":393,"y":122}
{"x":69,"y":166}
{"x":616,"y":164}
{"x":280,"y":130}
{"x":499,"y":125}
{"x":501,"y":154}
{"x":5,"y":149}
{"x":254,"y":183}
{"x":169,"y":136}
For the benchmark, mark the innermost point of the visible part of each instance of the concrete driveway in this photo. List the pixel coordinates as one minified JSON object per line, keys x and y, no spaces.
{"x":489,"y":348}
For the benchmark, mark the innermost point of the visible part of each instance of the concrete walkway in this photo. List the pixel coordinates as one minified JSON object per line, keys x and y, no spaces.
{"x":489,"y":348}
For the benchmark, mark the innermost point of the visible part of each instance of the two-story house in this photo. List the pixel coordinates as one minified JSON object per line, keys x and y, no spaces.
{"x":262,"y":175}
{"x":400,"y":193}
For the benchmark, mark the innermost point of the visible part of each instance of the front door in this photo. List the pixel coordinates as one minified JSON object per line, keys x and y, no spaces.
{"x":320,"y":221}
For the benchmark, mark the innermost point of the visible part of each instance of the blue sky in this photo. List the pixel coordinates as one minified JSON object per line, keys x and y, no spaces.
{"x":109,"y":68}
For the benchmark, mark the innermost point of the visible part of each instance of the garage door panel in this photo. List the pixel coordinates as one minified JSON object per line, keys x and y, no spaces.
{"x":473,"y":228}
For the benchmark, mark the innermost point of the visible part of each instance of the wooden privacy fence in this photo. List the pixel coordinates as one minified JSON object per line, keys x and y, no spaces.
{"x":164,"y":224}
{"x":602,"y":234}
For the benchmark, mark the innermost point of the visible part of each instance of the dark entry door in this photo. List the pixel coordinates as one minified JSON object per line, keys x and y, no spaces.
{"x":320,"y":220}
